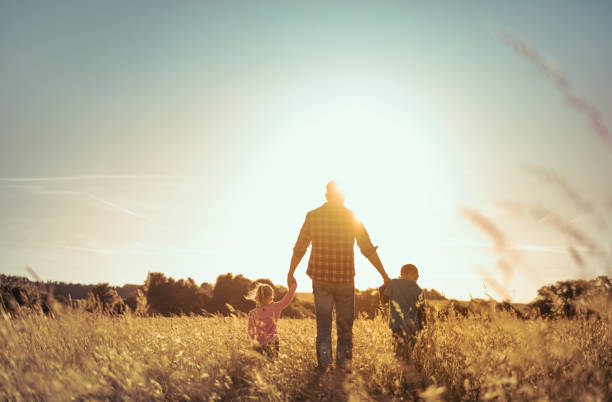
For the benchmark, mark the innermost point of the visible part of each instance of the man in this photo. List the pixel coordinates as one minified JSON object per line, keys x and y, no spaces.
{"x":332,"y":229}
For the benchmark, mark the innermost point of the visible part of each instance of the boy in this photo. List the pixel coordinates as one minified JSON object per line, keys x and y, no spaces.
{"x":406,"y":298}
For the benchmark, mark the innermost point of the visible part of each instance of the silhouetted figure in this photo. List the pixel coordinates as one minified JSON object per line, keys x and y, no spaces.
{"x":263,"y":318}
{"x":332,"y":229}
{"x":405,"y":299}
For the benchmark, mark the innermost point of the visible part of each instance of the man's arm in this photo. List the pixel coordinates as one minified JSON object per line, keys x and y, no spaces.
{"x":369,"y":251}
{"x":295,"y":260}
{"x":375,"y":260}
{"x":301,"y":245}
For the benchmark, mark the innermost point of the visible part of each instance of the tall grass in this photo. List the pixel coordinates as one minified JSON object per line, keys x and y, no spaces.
{"x":87,"y":356}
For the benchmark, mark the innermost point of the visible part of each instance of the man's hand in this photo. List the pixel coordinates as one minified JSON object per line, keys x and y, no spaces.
{"x":386,"y":278}
{"x":291,"y":281}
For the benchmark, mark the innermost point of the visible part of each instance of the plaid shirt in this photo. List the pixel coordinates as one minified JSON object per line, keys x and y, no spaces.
{"x":332,"y":230}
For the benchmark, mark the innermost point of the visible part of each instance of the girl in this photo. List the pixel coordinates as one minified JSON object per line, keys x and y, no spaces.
{"x":262,"y":319}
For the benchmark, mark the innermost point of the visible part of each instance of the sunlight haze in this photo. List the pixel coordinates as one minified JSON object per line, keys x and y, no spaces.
{"x":192,"y":138}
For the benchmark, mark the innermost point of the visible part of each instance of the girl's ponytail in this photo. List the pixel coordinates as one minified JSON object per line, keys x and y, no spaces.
{"x":260,"y":293}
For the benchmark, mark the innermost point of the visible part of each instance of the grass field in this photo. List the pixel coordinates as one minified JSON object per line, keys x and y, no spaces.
{"x":305,"y":296}
{"x":85,"y":356}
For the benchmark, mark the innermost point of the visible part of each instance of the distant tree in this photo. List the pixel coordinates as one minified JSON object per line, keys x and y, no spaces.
{"x":572,"y":298}
{"x":367,"y":303}
{"x":104,"y":299}
{"x":156,"y":290}
{"x":141,"y":308}
{"x":207,"y":288}
{"x":230,"y":290}
{"x":433,"y":294}
{"x":18,"y":295}
{"x":167,"y":296}
{"x":81,"y":291}
{"x":74,"y":290}
{"x":127,"y":290}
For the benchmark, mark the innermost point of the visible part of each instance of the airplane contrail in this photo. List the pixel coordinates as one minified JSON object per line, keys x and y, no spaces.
{"x":90,"y":196}
{"x":113,"y":205}
{"x":110,"y":251}
{"x":87,"y":177}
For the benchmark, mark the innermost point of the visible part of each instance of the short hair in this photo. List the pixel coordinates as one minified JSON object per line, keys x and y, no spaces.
{"x":409,"y":269}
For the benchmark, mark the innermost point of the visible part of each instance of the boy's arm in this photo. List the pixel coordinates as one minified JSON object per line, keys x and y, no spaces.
{"x":420,"y":305}
{"x":382,"y":293}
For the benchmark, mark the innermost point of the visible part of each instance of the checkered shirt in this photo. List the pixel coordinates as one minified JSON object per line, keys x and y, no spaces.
{"x":332,"y":230}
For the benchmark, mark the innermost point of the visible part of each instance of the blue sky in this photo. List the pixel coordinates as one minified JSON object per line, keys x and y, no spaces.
{"x":192,"y":137}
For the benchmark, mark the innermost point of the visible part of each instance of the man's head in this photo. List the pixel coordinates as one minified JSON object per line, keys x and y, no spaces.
{"x":409,"y":271}
{"x":334,"y":195}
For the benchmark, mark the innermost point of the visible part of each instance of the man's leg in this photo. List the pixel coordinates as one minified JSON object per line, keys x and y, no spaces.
{"x":324,"y":303}
{"x":345,"y":314}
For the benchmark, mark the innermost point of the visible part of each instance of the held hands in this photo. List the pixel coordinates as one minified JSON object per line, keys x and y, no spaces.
{"x":291,"y":281}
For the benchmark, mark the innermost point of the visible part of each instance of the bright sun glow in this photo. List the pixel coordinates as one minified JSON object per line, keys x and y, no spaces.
{"x":390,"y":154}
{"x":195,"y":145}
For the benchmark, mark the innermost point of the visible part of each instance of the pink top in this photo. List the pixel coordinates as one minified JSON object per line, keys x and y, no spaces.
{"x":262,"y":320}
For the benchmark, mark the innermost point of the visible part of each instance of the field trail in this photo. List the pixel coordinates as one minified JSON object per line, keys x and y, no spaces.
{"x":351,"y":387}
{"x":324,"y":387}
{"x":411,"y":375}
{"x":334,"y":387}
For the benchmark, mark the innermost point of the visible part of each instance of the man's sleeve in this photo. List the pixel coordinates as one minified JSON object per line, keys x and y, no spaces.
{"x":304,"y":238}
{"x":363,"y":240}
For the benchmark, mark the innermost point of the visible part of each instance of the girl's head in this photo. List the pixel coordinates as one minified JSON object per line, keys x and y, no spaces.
{"x":262,"y":294}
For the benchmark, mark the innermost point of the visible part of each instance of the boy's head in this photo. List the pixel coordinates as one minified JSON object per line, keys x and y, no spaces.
{"x":409,"y":271}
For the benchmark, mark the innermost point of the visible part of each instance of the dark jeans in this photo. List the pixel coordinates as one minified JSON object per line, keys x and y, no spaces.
{"x":326,"y":296}
{"x":403,"y":337}
{"x":269,"y":349}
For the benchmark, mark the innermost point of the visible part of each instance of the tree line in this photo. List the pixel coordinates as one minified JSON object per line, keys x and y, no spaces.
{"x":166,"y":296}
